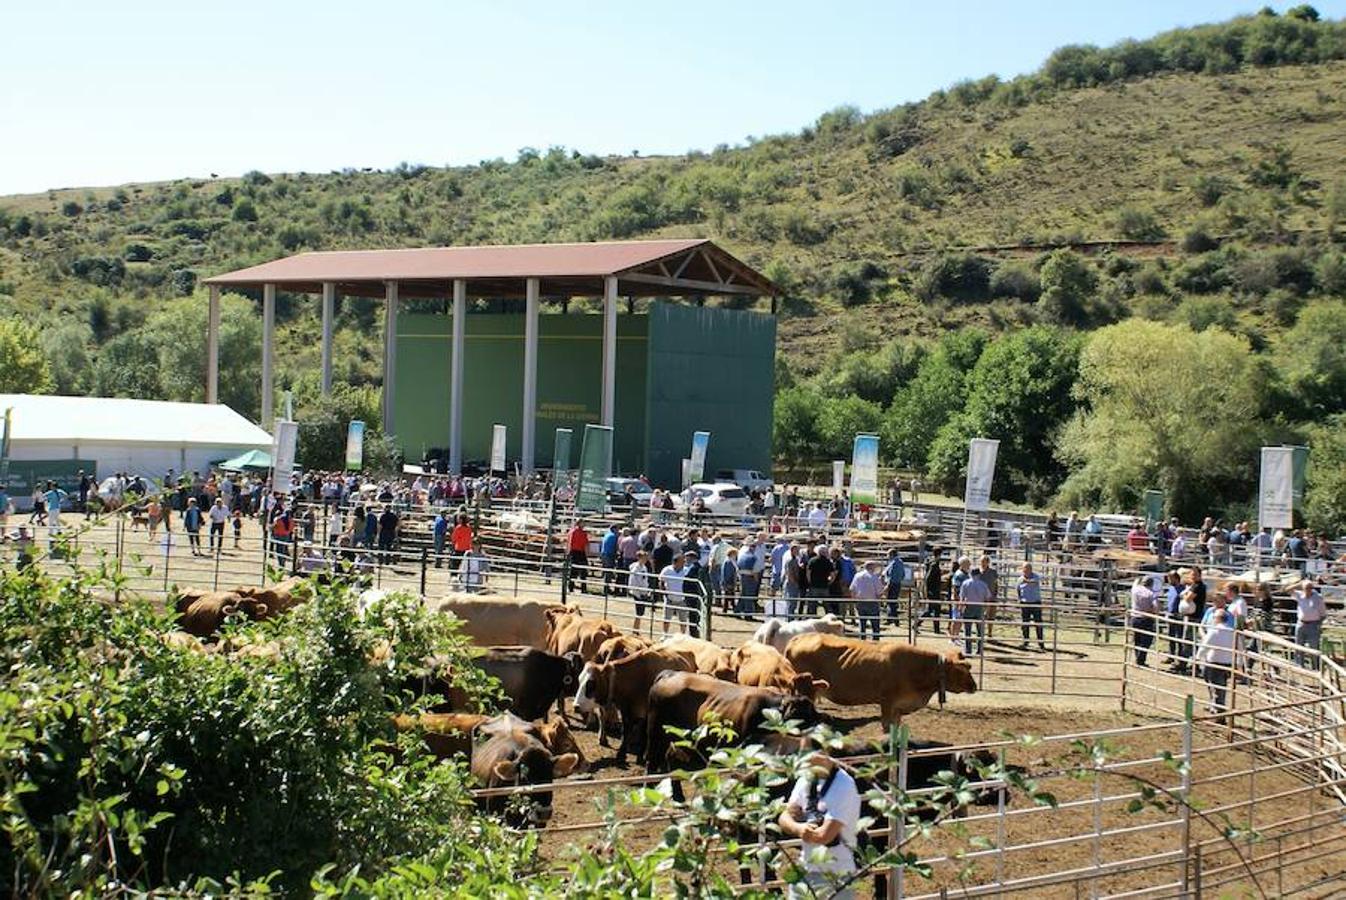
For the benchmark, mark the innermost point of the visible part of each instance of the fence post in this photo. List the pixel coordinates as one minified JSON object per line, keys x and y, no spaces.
{"x":1056,"y":636}
{"x":219,"y":549}
{"x":565,"y":577}
{"x":425,"y":560}
{"x":897,"y":824}
{"x":1186,"y":827}
{"x":1128,"y":636}
{"x":121,"y":549}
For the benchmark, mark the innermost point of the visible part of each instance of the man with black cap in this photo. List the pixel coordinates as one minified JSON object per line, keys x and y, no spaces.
{"x":692,"y":590}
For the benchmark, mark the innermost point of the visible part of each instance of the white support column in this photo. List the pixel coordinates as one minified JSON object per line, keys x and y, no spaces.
{"x":528,"y":432}
{"x":213,"y":346}
{"x":389,"y":357}
{"x":456,"y":377}
{"x":268,"y":352}
{"x":328,"y":314}
{"x":609,"y":408}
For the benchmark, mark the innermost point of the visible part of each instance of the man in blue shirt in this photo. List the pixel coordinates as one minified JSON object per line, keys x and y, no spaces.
{"x":893,"y":575}
{"x":778,"y":554}
{"x":191,"y":521}
{"x":607,"y":552}
{"x":441,"y":531}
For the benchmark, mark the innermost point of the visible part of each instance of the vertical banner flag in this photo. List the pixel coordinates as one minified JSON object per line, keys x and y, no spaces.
{"x":686,"y":473}
{"x":1301,"y":456}
{"x":1275,"y":495}
{"x":355,"y":446}
{"x":865,"y":470}
{"x":700,"y":441}
{"x":595,"y":468}
{"x":498,"y":434}
{"x":981,"y":453}
{"x":4,"y":450}
{"x":1154,"y":506}
{"x":289,"y":405}
{"x":560,"y":464}
{"x":282,"y":455}
{"x":838,"y":475}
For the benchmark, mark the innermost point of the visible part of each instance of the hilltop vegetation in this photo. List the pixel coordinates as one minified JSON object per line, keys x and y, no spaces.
{"x":1196,"y":180}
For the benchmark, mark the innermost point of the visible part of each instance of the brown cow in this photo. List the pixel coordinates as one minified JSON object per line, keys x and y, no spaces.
{"x":762,"y":665}
{"x":494,"y":623}
{"x":448,"y":735}
{"x":898,"y":677}
{"x":570,"y":632}
{"x":688,"y":699}
{"x":509,"y":751}
{"x":202,"y":613}
{"x":615,"y":648}
{"x":625,"y":683}
{"x":708,"y":659}
{"x":282,"y":596}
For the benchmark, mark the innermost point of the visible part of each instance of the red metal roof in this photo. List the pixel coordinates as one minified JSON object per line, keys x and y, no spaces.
{"x":578,"y":266}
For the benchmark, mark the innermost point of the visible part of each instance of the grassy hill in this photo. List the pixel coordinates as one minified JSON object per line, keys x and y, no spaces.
{"x":1200,"y":176}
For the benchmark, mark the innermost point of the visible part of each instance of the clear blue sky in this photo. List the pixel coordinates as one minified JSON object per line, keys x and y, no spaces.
{"x":95,"y":92}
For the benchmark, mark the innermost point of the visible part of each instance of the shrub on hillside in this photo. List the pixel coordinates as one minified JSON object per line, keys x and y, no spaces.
{"x":1198,"y":240}
{"x":1015,"y":279}
{"x":1262,"y":271}
{"x":1210,"y":188}
{"x":962,"y":277}
{"x":1200,"y":313}
{"x":1138,"y":224}
{"x":1329,"y":274}
{"x":138,"y":253}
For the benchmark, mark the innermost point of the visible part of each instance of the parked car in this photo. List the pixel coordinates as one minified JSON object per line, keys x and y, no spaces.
{"x":748,"y":479}
{"x":621,"y":491}
{"x":721,"y":498}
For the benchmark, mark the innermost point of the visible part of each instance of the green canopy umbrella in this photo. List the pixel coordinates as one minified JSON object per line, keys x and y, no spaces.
{"x":251,"y":460}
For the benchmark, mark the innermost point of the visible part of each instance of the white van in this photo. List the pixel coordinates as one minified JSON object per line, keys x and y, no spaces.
{"x":748,"y":479}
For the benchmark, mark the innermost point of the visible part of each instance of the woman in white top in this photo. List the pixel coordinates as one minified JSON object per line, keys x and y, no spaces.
{"x":638,"y":584}
{"x":1219,"y":647}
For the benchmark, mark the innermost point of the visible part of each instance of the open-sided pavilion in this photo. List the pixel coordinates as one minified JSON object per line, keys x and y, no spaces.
{"x":534,"y":272}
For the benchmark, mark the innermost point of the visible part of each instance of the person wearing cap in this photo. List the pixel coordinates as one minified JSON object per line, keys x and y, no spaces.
{"x":191,"y":522}
{"x":1309,"y":612}
{"x":866,"y":587}
{"x":823,"y":811}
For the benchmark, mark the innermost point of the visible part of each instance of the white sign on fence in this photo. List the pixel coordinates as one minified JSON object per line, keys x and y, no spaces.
{"x":981,"y":453}
{"x":839,"y":475}
{"x":1276,"y":492}
{"x":282,"y":455}
{"x":498,"y":448}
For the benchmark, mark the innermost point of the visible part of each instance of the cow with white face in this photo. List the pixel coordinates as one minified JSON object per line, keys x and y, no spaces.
{"x":625,"y":683}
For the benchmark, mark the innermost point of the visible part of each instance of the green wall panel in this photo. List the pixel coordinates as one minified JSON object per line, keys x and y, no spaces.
{"x":709,"y":370}
{"x":568,"y":389}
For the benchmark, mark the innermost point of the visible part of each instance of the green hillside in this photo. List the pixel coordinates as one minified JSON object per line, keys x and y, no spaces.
{"x":1195,"y":179}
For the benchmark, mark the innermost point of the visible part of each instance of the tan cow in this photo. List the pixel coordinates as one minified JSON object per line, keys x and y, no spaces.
{"x":570,"y":632}
{"x":202,"y":613}
{"x":282,"y":596}
{"x":898,"y":677}
{"x":496,"y":623}
{"x":448,"y":735}
{"x":708,"y":658}
{"x":625,"y":683}
{"x":615,"y":648}
{"x":762,"y":665}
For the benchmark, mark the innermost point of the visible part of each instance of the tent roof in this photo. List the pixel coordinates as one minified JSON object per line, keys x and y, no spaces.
{"x":644,"y":268}
{"x":119,"y":420}
{"x":250,"y":459}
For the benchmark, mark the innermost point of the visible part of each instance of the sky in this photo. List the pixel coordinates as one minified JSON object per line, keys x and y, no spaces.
{"x":99,"y":93}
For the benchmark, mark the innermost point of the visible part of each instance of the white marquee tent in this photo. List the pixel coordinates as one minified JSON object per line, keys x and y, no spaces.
{"x":140,"y":437}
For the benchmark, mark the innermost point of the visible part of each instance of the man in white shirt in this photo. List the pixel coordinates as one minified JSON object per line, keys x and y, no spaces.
{"x":671,"y":583}
{"x":823,"y":812}
{"x":866,"y":588}
{"x":1309,"y":613}
{"x":817,"y":517}
{"x":1216,"y":655}
{"x":219,"y":514}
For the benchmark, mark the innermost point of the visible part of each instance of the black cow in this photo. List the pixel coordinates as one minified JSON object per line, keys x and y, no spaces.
{"x":532,"y":679}
{"x":510,"y":752}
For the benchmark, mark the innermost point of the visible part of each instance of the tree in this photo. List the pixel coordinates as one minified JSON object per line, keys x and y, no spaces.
{"x":1068,"y":285}
{"x":23,"y":368}
{"x":178,"y":334}
{"x":795,"y":435}
{"x":66,"y":350}
{"x":128,"y":366}
{"x":323,"y":422}
{"x":841,"y":419}
{"x":922,"y":407}
{"x":1020,"y":394}
{"x":1164,"y":407}
{"x":1325,"y":481}
{"x":1311,"y":358}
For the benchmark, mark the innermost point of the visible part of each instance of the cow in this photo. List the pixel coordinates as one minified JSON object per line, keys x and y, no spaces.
{"x":202,"y":613}
{"x":899,"y":677}
{"x":614,"y":648}
{"x":709,"y":659}
{"x":509,"y":751}
{"x":495,"y":623}
{"x":282,"y":596}
{"x":778,"y":632}
{"x":449,"y":735}
{"x":688,"y":699}
{"x":625,"y":683}
{"x":762,"y":665}
{"x":570,"y":632}
{"x":531,"y":679}
{"x":182,"y":640}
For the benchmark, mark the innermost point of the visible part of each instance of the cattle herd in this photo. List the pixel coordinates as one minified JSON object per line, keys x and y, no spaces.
{"x":545,"y":654}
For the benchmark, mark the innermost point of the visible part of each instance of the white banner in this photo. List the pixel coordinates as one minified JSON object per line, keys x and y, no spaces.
{"x":1276,"y":497}
{"x":686,"y":473}
{"x":282,"y":455}
{"x":497,"y":448}
{"x":865,"y":470}
{"x":839,"y":475}
{"x":981,"y":453}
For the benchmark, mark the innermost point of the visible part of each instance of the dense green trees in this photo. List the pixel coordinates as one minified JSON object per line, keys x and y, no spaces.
{"x":23,"y":368}
{"x":1312,"y":359}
